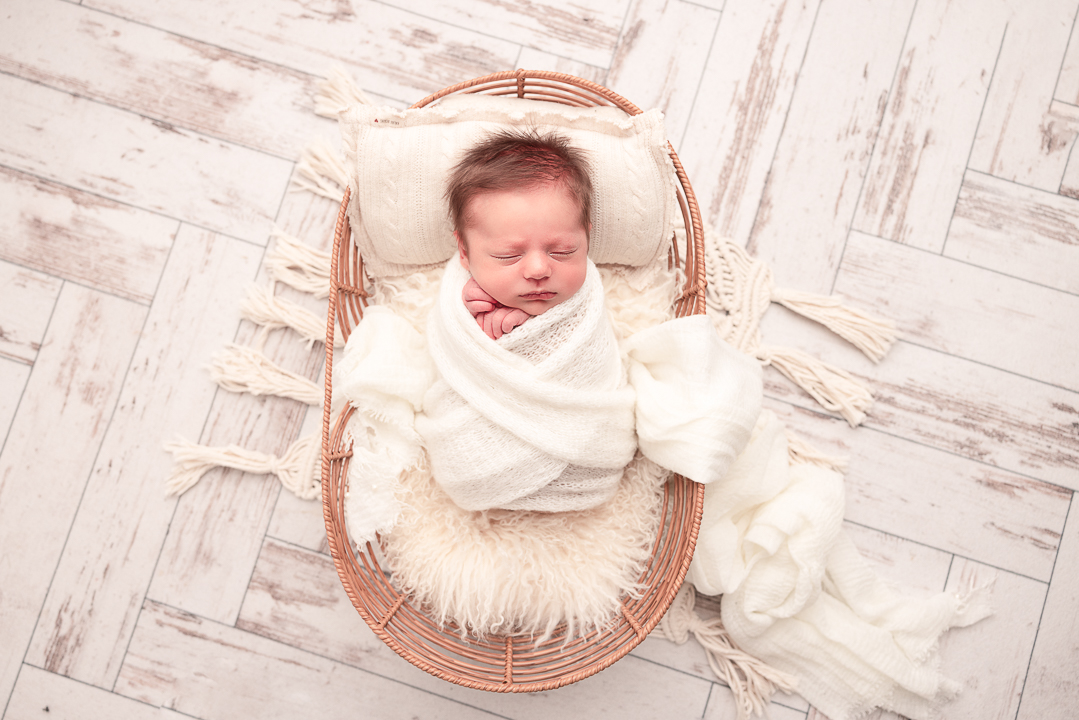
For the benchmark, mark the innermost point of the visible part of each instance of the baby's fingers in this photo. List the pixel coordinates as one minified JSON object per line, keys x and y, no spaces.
{"x":479,"y":306}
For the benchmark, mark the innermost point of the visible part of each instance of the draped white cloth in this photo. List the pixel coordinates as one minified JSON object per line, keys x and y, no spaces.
{"x":798,"y":595}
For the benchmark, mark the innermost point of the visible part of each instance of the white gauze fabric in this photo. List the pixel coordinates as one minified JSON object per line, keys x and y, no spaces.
{"x":798,"y":596}
{"x":541,"y":419}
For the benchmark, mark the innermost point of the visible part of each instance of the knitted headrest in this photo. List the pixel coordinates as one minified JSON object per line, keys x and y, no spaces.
{"x":398,"y":163}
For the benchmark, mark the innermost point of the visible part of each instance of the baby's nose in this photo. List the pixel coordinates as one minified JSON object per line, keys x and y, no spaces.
{"x":537,"y":266}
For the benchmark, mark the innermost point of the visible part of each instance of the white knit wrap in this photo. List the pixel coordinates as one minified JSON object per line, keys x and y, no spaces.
{"x":541,"y":419}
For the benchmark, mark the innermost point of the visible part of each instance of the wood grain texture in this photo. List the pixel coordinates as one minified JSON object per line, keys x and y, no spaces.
{"x":398,"y":53}
{"x":952,"y":307}
{"x":219,"y":526}
{"x":659,"y":57}
{"x":181,"y":661}
{"x":1069,"y":184}
{"x":42,"y":695}
{"x":1067,"y":88}
{"x":586,"y":30}
{"x":736,"y":122}
{"x":961,"y":407}
{"x":117,"y":535}
{"x":940,"y":500}
{"x":723,"y":706}
{"x":296,"y":599}
{"x":48,"y":455}
{"x":1017,"y":230}
{"x":146,"y":163}
{"x":27,"y":299}
{"x":1018,"y":139}
{"x":815,"y":181}
{"x":932,"y":115}
{"x":989,"y":658}
{"x":81,"y":236}
{"x":158,"y":74}
{"x":1051,"y":681}
{"x":13,"y":377}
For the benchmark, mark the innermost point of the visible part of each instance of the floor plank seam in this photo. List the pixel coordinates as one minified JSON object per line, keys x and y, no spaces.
{"x":856,"y":206}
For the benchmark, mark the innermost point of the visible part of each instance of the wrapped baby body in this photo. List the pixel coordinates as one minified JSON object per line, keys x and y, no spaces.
{"x":541,"y":419}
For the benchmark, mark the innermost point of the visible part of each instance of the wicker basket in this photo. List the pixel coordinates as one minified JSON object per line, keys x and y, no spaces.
{"x":508,"y":663}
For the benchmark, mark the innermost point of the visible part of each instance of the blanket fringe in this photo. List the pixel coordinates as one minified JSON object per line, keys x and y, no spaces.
{"x":263,"y":307}
{"x":238,"y":368}
{"x":835,"y":389}
{"x":803,"y":453}
{"x":321,"y":171}
{"x":873,"y":336}
{"x":299,"y":469}
{"x":337,"y":92}
{"x":751,"y":681}
{"x":299,"y":265}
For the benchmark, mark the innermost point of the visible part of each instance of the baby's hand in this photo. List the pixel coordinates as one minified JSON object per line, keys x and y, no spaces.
{"x":501,"y":320}
{"x":476,"y":300}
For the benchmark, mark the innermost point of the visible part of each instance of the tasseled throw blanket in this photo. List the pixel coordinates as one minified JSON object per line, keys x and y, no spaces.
{"x":541,"y":419}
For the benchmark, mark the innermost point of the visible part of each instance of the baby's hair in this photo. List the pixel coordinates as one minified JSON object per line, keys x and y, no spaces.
{"x":519,"y":160}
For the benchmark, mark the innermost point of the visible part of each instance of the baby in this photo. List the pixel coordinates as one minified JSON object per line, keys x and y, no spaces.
{"x":520,"y":204}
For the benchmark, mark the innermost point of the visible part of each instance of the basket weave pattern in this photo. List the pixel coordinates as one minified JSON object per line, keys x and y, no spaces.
{"x":509,"y":663}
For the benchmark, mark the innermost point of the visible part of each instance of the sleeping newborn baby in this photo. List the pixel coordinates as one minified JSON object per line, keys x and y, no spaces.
{"x":531,"y":410}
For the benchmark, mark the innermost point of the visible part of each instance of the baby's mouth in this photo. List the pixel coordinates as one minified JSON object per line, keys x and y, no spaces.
{"x":539,"y":295}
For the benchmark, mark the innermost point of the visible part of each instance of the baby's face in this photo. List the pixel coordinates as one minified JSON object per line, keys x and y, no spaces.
{"x":527,"y":249}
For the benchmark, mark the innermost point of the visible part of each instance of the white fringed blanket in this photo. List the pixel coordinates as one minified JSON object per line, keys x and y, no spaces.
{"x":541,"y":419}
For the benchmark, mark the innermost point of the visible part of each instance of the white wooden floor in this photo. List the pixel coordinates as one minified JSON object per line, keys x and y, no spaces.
{"x":913,"y":155}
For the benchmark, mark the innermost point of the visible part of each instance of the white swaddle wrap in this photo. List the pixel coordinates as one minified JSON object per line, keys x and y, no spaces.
{"x":541,"y":419}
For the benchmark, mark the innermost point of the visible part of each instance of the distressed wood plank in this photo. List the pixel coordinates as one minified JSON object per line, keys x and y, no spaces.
{"x":113,"y":546}
{"x":1067,"y":88}
{"x":296,"y":599}
{"x":219,"y":526}
{"x":82,"y":237}
{"x":41,"y":695}
{"x":962,"y":407}
{"x":722,"y":706}
{"x":13,"y":377}
{"x":932,"y":116}
{"x":169,"y":77}
{"x":736,"y":121}
{"x":1051,"y":681}
{"x":823,"y":156}
{"x":1018,"y":139}
{"x":1069,"y":185}
{"x":1017,"y":231}
{"x":211,"y":671}
{"x":26,"y":302}
{"x":948,"y":305}
{"x":392,"y":52}
{"x":990,"y":658}
{"x":946,"y":502}
{"x":661,"y":54}
{"x":50,"y":450}
{"x":137,"y":161}
{"x":586,"y":30}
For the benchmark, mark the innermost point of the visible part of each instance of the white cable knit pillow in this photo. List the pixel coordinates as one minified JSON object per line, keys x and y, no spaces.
{"x":398,"y":163}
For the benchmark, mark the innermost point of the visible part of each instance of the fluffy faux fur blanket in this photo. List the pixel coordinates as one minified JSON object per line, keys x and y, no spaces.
{"x":541,"y":419}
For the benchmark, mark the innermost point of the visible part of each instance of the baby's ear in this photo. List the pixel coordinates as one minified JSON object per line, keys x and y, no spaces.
{"x":462,"y":251}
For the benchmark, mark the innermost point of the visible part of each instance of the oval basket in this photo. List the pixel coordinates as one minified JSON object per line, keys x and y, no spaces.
{"x":508,"y":663}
